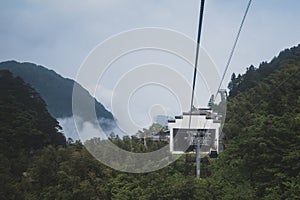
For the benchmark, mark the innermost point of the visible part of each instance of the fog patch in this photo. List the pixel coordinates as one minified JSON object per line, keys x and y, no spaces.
{"x":87,"y":129}
{"x":68,"y":128}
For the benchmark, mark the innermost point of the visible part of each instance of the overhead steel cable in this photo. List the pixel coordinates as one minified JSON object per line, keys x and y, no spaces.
{"x":198,"y":157}
{"x":233,"y":47}
{"x":197,"y":56}
{"x":194,"y":83}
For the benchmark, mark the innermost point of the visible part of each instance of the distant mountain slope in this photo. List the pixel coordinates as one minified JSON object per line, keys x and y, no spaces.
{"x":53,"y":88}
{"x":56,"y":91}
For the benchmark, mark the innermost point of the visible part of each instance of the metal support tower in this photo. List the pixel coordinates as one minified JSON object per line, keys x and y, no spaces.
{"x":199,"y":138}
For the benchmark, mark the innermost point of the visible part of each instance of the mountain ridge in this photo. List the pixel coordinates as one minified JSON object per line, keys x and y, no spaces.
{"x":54,"y":88}
{"x":253,"y":75}
{"x":57,"y":92}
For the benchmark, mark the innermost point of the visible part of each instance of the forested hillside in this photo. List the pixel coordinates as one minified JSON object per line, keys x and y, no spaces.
{"x":263,"y":130}
{"x":260,"y":161}
{"x":25,"y":127}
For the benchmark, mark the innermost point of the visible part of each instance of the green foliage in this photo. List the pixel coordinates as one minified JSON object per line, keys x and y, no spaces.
{"x":262,"y":129}
{"x":253,"y":76}
{"x":24,"y":120}
{"x":25,"y":127}
{"x":261,"y":159}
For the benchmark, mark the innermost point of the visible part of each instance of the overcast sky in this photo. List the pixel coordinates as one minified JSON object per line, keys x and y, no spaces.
{"x":59,"y":34}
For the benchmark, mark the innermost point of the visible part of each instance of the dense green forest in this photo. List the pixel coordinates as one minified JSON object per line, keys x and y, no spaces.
{"x":260,"y":161}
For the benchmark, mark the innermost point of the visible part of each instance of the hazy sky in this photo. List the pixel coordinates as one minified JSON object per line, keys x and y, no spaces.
{"x":59,"y":34}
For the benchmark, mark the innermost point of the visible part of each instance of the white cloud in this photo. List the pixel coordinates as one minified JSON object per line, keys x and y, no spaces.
{"x":85,"y":130}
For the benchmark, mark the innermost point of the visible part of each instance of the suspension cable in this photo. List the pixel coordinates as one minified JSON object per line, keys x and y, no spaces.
{"x":233,"y":48}
{"x":197,"y":56}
